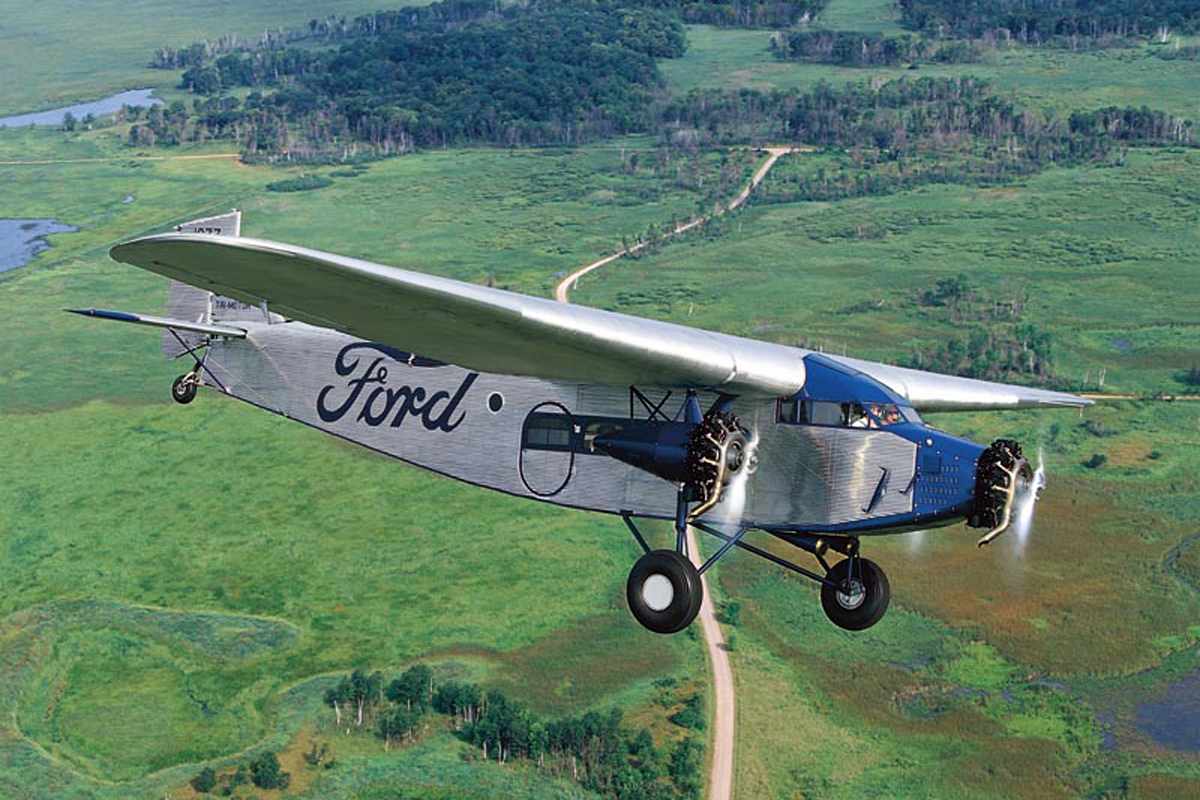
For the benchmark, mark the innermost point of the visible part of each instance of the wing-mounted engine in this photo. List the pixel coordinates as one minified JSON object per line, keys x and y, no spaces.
{"x":1002,"y":474}
{"x":703,"y":453}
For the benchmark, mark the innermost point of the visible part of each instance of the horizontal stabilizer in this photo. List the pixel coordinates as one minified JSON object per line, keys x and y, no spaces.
{"x":161,"y":322}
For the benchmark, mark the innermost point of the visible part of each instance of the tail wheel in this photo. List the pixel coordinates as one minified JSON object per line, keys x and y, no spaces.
{"x":664,"y":591}
{"x":183,"y":390}
{"x":861,"y":595}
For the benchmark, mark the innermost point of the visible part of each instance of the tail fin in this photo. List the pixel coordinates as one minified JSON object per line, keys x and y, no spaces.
{"x":188,"y":302}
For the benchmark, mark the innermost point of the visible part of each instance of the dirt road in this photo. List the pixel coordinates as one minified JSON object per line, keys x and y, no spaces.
{"x":720,"y":781}
{"x":773,"y":155}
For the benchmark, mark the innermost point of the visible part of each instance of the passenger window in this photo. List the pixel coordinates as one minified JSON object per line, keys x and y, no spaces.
{"x":548,"y":432}
{"x":825,"y":413}
{"x":788,"y":411}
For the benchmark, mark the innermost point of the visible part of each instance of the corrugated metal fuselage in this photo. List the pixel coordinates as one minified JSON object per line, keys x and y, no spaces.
{"x":529,"y":437}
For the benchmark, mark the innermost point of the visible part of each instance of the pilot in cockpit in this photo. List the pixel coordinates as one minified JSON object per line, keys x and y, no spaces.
{"x":856,"y":417}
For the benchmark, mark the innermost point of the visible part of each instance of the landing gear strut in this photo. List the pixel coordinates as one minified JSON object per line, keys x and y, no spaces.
{"x":664,"y":590}
{"x":183,"y":390}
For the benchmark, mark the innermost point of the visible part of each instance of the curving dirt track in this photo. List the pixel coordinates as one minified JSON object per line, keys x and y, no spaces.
{"x":773,"y":154}
{"x":720,"y":780}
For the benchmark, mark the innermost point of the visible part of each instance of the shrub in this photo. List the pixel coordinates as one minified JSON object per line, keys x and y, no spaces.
{"x":205,"y":781}
{"x":691,"y":716}
{"x":1096,"y":461}
{"x":266,"y":773}
{"x":304,"y":183}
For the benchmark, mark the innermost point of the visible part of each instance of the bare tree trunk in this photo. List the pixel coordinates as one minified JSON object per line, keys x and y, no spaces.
{"x":338,"y":712}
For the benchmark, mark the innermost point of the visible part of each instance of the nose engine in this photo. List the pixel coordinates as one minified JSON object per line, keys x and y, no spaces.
{"x":1001,"y":475}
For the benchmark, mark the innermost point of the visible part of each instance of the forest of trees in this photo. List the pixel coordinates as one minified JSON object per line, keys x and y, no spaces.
{"x":446,"y":15}
{"x":1051,"y":21}
{"x":596,"y":750}
{"x":547,"y":74}
{"x":855,"y":49}
{"x":906,"y":116}
{"x":562,"y":73}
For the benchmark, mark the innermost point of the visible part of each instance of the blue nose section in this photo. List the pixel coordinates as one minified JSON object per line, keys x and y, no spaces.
{"x":945,"y":481}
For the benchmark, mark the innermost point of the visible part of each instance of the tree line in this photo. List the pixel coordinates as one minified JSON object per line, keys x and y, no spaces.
{"x":572,"y":72}
{"x":593,"y":749}
{"x":448,"y":14}
{"x":1051,"y":21}
{"x":856,"y":49}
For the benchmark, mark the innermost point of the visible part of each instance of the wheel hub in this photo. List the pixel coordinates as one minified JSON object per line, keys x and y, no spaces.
{"x":852,"y":594}
{"x":658,"y":592}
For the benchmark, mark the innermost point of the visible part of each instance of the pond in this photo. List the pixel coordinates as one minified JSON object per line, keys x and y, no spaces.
{"x":1174,"y":719}
{"x":22,"y":239}
{"x":133,"y":97}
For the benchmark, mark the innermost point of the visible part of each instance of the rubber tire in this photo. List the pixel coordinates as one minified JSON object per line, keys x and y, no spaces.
{"x":183,"y":391}
{"x":878,"y":591}
{"x":685,"y":581}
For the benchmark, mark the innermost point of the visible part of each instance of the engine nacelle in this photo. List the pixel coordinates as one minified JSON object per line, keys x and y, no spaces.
{"x":703,"y":456}
{"x":660,"y":449}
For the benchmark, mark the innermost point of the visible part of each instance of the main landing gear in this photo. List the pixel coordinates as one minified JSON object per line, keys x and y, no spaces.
{"x":664,"y":590}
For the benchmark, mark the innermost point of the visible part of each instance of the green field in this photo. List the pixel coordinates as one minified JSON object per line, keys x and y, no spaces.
{"x":182,"y":584}
{"x":1045,"y":78}
{"x":59,"y":52}
{"x":868,"y":16}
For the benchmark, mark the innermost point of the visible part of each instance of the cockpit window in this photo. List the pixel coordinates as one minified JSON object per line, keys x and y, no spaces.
{"x":842,"y":415}
{"x":884,"y":415}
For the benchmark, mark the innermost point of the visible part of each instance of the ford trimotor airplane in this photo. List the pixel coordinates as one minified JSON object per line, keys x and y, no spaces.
{"x":592,"y":409}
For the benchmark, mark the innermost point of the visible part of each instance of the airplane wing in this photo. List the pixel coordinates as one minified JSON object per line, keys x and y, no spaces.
{"x":477,"y":327}
{"x":932,"y":391}
{"x":492,"y":330}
